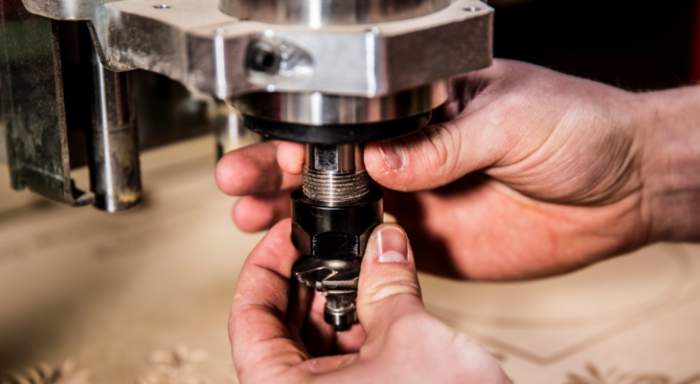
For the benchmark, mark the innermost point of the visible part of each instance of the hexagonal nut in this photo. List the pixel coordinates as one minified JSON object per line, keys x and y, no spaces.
{"x":334,"y":232}
{"x":331,"y":245}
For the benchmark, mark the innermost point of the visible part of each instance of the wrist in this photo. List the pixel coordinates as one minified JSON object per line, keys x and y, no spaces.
{"x":670,"y":171}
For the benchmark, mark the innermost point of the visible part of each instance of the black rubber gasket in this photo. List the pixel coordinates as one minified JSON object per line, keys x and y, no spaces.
{"x":336,"y":133}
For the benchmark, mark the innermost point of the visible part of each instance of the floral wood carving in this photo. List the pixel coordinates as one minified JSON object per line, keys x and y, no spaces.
{"x":175,"y":367}
{"x":46,"y":374}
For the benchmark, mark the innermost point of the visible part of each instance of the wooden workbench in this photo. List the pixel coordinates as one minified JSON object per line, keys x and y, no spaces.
{"x":122,"y":295}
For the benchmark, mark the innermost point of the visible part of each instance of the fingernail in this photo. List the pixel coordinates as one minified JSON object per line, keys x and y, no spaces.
{"x":394,"y":154}
{"x":392,"y":246}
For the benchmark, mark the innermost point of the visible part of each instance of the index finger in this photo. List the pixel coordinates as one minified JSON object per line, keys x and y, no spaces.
{"x":253,"y":170}
{"x":261,"y":343}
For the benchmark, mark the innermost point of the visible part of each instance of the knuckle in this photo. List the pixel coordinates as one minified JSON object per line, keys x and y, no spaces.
{"x":514,"y":101}
{"x":442,"y":152}
{"x":379,"y":291}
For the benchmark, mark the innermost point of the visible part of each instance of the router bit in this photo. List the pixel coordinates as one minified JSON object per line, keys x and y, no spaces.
{"x":334,"y":213}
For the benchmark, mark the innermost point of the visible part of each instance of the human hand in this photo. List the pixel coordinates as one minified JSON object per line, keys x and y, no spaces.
{"x":277,"y":341}
{"x":567,"y":175}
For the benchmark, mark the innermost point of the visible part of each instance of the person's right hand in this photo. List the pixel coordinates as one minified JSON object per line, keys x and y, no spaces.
{"x":569,"y":173}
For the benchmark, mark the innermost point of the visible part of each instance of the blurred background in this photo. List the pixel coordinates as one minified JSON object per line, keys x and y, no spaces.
{"x":635,"y":45}
{"x":143,"y":296}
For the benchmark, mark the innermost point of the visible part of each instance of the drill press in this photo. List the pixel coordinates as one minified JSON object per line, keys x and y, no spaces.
{"x":332,"y":74}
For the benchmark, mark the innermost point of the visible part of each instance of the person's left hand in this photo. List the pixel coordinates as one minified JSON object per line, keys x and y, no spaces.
{"x":275,"y":340}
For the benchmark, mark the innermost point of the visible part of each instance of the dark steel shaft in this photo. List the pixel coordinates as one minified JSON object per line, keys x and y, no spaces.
{"x":113,"y":150}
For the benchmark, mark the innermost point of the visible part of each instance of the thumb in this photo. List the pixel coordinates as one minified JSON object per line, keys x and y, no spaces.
{"x":503,"y":120}
{"x":475,"y":138}
{"x":388,"y":286}
{"x":436,"y":155}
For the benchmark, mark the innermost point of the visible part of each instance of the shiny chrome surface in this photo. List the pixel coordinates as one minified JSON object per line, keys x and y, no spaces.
{"x":316,"y":108}
{"x":317,"y":13}
{"x":342,"y":158}
{"x":335,"y":174}
{"x":340,"y":310}
{"x":196,"y":44}
{"x":333,"y":188}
